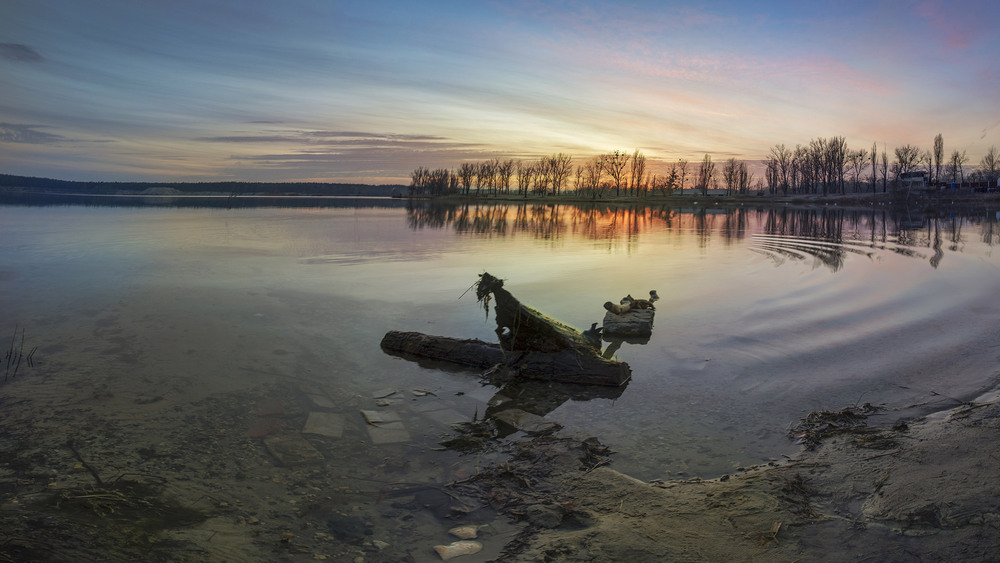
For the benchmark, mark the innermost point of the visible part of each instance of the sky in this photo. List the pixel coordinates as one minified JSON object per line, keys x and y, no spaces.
{"x":366,"y":91}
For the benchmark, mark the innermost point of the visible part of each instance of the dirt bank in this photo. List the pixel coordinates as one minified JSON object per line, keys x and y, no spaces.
{"x":923,"y":491}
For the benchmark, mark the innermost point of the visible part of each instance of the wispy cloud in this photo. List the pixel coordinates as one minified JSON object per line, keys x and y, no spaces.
{"x":19,"y":52}
{"x":28,"y":134}
{"x":251,"y":139}
{"x":334,"y":138}
{"x":955,"y":27}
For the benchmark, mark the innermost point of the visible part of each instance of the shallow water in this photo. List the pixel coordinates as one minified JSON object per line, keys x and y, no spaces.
{"x":144,"y":311}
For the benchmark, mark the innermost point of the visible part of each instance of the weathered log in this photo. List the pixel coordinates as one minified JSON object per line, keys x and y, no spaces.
{"x":522,"y":328}
{"x":632,"y":323}
{"x":574,"y":365}
{"x":532,"y":345}
{"x":568,"y":365}
{"x":473,"y":353}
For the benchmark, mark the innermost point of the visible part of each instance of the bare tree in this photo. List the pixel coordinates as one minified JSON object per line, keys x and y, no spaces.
{"x":579,"y":178}
{"x":989,"y":166}
{"x":485,"y":176}
{"x":637,"y":171}
{"x":467,"y":173}
{"x":938,"y":156}
{"x":907,"y":160}
{"x":856,"y":161}
{"x":682,"y":166}
{"x":668,"y":184}
{"x":525,"y":176}
{"x":874,"y":156}
{"x":927,"y":160}
{"x":955,"y":168}
{"x":561,"y":166}
{"x":432,"y":182}
{"x":706,"y":174}
{"x":804,"y":169}
{"x":744,"y":178}
{"x":836,"y":158}
{"x":781,"y":159}
{"x":543,"y":176}
{"x":418,"y":180}
{"x":772,"y":174}
{"x":615,"y":164}
{"x":592,"y":174}
{"x":731,"y":174}
{"x":884,"y":169}
{"x":505,"y":169}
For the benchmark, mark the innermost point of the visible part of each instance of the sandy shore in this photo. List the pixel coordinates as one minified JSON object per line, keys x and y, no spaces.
{"x":922,"y":491}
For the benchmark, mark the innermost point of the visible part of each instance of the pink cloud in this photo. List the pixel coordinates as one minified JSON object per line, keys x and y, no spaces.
{"x":955,"y":26}
{"x":828,"y":73}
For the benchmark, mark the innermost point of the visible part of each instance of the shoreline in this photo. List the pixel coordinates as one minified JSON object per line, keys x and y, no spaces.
{"x":851,"y":200}
{"x":921,"y":488}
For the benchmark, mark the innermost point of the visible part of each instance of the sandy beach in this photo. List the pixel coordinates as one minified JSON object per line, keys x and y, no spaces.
{"x":919,"y":491}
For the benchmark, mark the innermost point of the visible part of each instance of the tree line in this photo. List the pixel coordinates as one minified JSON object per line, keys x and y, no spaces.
{"x":829,"y":166}
{"x":823,"y":166}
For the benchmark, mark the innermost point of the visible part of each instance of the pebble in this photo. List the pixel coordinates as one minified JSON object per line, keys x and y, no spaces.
{"x":464,"y":532}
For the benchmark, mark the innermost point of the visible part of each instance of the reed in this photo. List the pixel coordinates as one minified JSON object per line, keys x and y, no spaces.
{"x":15,"y":355}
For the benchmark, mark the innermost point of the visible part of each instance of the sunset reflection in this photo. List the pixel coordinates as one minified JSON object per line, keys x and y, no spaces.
{"x":841,"y":231}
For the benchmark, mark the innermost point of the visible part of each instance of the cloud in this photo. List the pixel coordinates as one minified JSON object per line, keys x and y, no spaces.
{"x":251,"y":139}
{"x":28,"y":134}
{"x":364,"y":135}
{"x":19,"y":52}
{"x":348,"y":155}
{"x":955,"y":27}
{"x":336,"y":138}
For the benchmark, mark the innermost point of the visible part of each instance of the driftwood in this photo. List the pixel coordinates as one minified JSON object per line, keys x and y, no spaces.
{"x":631,"y":318}
{"x":532,"y":345}
{"x":472,"y":353}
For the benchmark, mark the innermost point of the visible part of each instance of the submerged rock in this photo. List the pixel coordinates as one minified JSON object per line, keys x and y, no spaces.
{"x":456,"y":549}
{"x":526,"y":422}
{"x":464,"y":532}
{"x":292,"y":450}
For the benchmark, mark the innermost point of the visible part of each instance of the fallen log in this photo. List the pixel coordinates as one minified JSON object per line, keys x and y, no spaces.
{"x":567,"y":366}
{"x":532,"y":345}
{"x":473,"y":353}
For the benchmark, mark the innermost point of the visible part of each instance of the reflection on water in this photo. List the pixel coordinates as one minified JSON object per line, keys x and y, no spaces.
{"x":172,"y":341}
{"x":34,"y":199}
{"x":740,"y":344}
{"x":824,"y":233}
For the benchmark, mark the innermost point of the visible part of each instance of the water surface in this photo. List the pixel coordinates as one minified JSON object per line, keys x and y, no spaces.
{"x":140,"y":312}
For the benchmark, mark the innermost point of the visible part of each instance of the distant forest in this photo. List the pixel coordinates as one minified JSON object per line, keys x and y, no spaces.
{"x":27,"y":183}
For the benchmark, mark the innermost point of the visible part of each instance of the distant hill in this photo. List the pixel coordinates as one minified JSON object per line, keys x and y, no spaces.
{"x":27,"y":183}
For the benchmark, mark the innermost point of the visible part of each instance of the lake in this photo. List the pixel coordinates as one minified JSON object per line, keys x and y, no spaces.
{"x":176,"y":336}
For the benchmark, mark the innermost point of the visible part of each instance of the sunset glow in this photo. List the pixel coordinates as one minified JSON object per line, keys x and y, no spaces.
{"x":367,"y":91}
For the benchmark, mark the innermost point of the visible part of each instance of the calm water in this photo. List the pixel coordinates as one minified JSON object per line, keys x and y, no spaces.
{"x":764,"y":316}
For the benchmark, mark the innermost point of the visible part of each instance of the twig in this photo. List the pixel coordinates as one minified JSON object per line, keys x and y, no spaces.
{"x":20,"y":352}
{"x":87,"y":466}
{"x":467,"y":290}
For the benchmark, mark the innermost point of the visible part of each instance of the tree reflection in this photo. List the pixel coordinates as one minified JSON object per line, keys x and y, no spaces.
{"x":824,"y":234}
